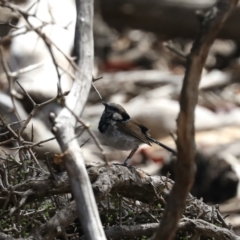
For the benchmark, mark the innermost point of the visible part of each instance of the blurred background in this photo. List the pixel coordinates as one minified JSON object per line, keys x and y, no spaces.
{"x":140,"y":53}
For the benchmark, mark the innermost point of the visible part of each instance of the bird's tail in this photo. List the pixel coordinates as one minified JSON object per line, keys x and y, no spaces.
{"x":162,"y":145}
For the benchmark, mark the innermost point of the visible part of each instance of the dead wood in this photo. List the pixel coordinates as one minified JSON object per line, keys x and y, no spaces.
{"x":211,"y":23}
{"x":131,"y":183}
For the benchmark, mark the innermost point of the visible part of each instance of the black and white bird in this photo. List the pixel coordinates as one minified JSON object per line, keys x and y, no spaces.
{"x":120,"y":131}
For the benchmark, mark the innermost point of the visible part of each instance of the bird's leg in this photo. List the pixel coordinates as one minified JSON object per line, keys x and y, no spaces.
{"x":130,"y":156}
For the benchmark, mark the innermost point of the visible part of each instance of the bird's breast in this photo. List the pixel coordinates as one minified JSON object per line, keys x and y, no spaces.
{"x":119,"y":140}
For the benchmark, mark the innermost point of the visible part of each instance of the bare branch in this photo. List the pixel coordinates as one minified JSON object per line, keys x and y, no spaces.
{"x":177,"y":51}
{"x":210,"y":26}
{"x":60,"y":220}
{"x":198,"y":226}
{"x":26,"y":69}
{"x":65,"y":123}
{"x":207,"y":229}
{"x":131,"y":232}
{"x":10,"y":80}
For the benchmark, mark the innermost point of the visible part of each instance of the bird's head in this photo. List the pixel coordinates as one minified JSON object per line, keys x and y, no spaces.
{"x":115,"y":112}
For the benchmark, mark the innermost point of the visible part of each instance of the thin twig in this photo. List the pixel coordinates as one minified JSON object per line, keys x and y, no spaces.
{"x":95,"y":139}
{"x":97,"y":91}
{"x":177,"y":51}
{"x":10,"y":80}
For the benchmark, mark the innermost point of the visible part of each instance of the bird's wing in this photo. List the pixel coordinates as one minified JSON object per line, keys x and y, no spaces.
{"x":135,"y":129}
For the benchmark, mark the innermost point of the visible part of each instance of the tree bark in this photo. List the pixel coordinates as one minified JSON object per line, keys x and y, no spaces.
{"x":211,"y":23}
{"x":64,"y":124}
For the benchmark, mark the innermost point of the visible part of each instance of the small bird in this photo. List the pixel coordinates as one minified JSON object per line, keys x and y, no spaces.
{"x":119,"y":131}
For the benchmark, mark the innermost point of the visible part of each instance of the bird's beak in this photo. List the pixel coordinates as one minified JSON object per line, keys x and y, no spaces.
{"x":105,"y":104}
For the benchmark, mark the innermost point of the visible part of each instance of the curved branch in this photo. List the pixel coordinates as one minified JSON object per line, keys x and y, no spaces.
{"x":204,"y":228}
{"x":211,"y":23}
{"x":65,"y":123}
{"x":131,"y":232}
{"x":57,"y":224}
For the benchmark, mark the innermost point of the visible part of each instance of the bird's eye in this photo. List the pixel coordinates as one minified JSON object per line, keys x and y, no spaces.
{"x":125,"y":117}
